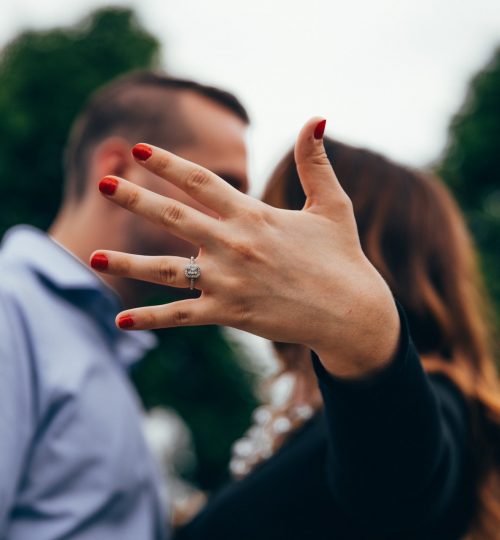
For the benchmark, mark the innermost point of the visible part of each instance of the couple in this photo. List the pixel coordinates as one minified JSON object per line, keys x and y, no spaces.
{"x":366,"y":284}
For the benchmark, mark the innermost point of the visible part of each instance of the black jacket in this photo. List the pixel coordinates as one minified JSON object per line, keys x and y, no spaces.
{"x":388,"y":458}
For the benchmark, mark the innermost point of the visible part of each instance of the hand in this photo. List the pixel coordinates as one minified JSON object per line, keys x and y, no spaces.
{"x":290,"y":276}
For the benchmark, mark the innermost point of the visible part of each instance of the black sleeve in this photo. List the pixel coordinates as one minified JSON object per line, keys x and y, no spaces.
{"x":397,"y":442}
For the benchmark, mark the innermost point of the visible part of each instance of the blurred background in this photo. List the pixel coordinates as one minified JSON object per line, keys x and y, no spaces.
{"x":417,"y":81}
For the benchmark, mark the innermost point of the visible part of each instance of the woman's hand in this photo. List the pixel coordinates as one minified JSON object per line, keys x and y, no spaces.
{"x":290,"y":276}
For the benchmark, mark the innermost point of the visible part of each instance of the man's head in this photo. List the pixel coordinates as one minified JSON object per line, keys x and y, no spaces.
{"x":142,"y":106}
{"x":200,"y":123}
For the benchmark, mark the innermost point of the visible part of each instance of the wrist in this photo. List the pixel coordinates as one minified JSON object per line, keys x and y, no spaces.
{"x":369,"y":339}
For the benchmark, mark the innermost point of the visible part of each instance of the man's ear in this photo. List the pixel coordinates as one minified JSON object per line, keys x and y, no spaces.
{"x":112,"y":157}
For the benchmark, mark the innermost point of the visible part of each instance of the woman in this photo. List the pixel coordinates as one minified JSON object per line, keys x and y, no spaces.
{"x":412,"y":231}
{"x":394,"y":451}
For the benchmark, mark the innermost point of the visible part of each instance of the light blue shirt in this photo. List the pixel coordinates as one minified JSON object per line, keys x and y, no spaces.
{"x":73,"y":459}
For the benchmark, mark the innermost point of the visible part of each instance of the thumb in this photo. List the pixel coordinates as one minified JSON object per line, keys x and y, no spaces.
{"x":316,"y":174}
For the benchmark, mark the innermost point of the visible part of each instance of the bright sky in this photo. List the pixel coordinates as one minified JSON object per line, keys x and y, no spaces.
{"x":387,"y":74}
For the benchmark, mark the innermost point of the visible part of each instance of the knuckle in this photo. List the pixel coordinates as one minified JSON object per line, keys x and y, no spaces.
{"x":317,"y":158}
{"x":166,"y":273}
{"x":257,"y":216}
{"x":320,"y":157}
{"x":244,"y":250}
{"x":181,"y":317}
{"x":320,"y":160}
{"x":344,"y":203}
{"x":171,"y":214}
{"x":150,"y":320}
{"x":243,"y":313}
{"x":197,"y":179}
{"x":123,"y":266}
{"x":132,"y":199}
{"x":162,"y":164}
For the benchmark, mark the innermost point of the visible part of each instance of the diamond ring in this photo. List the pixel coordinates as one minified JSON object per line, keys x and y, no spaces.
{"x":192,"y":271}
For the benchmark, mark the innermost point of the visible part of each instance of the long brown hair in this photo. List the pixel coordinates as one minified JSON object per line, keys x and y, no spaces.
{"x":414,"y":234}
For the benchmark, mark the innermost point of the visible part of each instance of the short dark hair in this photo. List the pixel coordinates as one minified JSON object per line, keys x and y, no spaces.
{"x":122,"y":108}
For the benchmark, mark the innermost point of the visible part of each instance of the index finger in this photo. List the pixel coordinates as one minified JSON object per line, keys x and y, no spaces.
{"x":198,"y":182}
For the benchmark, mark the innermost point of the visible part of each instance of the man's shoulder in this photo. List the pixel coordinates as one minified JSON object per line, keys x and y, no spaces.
{"x":21,"y":295}
{"x":18,"y":282}
{"x":12,"y":308}
{"x":11,"y":266}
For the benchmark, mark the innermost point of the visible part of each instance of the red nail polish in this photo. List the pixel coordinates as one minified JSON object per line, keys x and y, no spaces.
{"x":108,"y":185}
{"x":142,"y":152}
{"x":319,"y":130}
{"x":125,"y":321}
{"x":99,"y":261}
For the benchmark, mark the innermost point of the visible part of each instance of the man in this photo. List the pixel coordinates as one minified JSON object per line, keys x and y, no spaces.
{"x":73,"y":461}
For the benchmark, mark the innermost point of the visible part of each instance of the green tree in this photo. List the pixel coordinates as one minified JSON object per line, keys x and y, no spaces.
{"x":45,"y":78}
{"x":471,"y":167}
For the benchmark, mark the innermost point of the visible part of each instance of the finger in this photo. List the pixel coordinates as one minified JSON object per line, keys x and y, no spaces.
{"x":198,"y":182}
{"x":313,"y":166}
{"x":162,"y":270}
{"x":192,"y":312}
{"x":179,"y":219}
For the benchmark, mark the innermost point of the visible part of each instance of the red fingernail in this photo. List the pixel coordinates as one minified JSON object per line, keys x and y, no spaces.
{"x":319,"y":130}
{"x":99,"y":261}
{"x":142,"y":152}
{"x":108,"y":185}
{"x":126,"y":321}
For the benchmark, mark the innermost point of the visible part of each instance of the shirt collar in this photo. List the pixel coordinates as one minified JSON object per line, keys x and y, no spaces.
{"x":67,"y":274}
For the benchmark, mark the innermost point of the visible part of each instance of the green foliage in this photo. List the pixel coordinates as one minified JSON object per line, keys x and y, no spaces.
{"x":471,"y":167}
{"x":45,"y":79}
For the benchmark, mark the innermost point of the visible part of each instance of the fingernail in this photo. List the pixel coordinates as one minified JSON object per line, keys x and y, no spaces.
{"x":125,"y":321}
{"x":319,"y":130}
{"x":99,"y":261}
{"x":108,"y":185}
{"x":142,"y":152}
